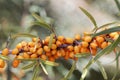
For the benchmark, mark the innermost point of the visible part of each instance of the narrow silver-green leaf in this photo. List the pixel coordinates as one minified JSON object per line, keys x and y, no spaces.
{"x":84,"y":73}
{"x":22,"y":35}
{"x":38,"y":18}
{"x":89,"y":16}
{"x":107,"y":31}
{"x":82,"y":54}
{"x":102,"y":70}
{"x":43,"y":68}
{"x":50,"y":63}
{"x":51,"y":39}
{"x":29,"y":65}
{"x":70,"y":71}
{"x":4,"y":57}
{"x":35,"y":72}
{"x":29,"y":59}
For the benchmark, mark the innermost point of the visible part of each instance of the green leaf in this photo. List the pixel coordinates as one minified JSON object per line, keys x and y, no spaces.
{"x":38,"y":18}
{"x":90,"y":17}
{"x":51,"y":39}
{"x":4,"y":57}
{"x":82,"y":54}
{"x":43,"y":68}
{"x":35,"y":71}
{"x":70,"y":71}
{"x":44,"y":25}
{"x":105,"y":25}
{"x":107,"y":31}
{"x":22,"y":35}
{"x":50,"y":63}
{"x":29,"y":59}
{"x":29,"y":65}
{"x":102,"y":70}
{"x":117,"y":67}
{"x":107,"y":50}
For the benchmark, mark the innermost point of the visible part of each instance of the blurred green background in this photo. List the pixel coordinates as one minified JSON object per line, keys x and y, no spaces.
{"x":67,"y":19}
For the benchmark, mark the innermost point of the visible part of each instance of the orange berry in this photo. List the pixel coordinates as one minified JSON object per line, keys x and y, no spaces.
{"x":77,"y":36}
{"x":24,"y":43}
{"x":33,"y":56}
{"x":47,"y":39}
{"x":25,"y":55}
{"x":70,"y":48}
{"x":43,"y":56}
{"x":5,"y":51}
{"x":40,"y":51}
{"x":32,"y":50}
{"x":60,"y":38}
{"x":87,"y":38}
{"x":58,"y":53}
{"x":84,"y":44}
{"x":115,"y":37}
{"x":76,"y":49}
{"x":93,"y":45}
{"x":31,"y":44}
{"x":113,"y":34}
{"x":83,"y":50}
{"x":46,"y":49}
{"x":71,"y":54}
{"x":104,"y":45}
{"x":53,"y":46}
{"x":99,"y":39}
{"x":58,"y":43}
{"x":53,"y":52}
{"x":48,"y":54}
{"x":20,"y":57}
{"x":26,"y":48}
{"x":2,"y":63}
{"x":93,"y":52}
{"x":15,"y":51}
{"x":35,"y":39}
{"x":51,"y":59}
{"x":19,"y":46}
{"x":62,"y":51}
{"x":69,"y":40}
{"x":109,"y":43}
{"x":15,"y":63}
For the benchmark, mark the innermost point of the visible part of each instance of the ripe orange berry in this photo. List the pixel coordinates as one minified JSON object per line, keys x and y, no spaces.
{"x":93,"y":52}
{"x":35,"y":39}
{"x":51,"y":59}
{"x":87,"y":38}
{"x":115,"y":37}
{"x":69,"y":40}
{"x":2,"y":63}
{"x":53,"y":46}
{"x":93,"y":45}
{"x":71,"y":54}
{"x":76,"y":49}
{"x":53,"y":52}
{"x":83,"y":50}
{"x":48,"y":54}
{"x":24,"y":43}
{"x":99,"y":39}
{"x":40,"y":51}
{"x":26,"y":55}
{"x":43,"y":56}
{"x":15,"y":63}
{"x":19,"y":46}
{"x":32,"y":50}
{"x":31,"y":44}
{"x":33,"y":55}
{"x":58,"y":43}
{"x":15,"y":51}
{"x":104,"y":45}
{"x":60,"y":38}
{"x":58,"y":53}
{"x":5,"y":51}
{"x":84,"y":44}
{"x":26,"y":48}
{"x":62,"y":51}
{"x":77,"y":37}
{"x":20,"y":57}
{"x":113,"y":34}
{"x":46,"y":49}
{"x":47,"y":39}
{"x":70,"y":48}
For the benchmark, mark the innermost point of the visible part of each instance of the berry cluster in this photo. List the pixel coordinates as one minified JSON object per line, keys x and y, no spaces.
{"x":61,"y":47}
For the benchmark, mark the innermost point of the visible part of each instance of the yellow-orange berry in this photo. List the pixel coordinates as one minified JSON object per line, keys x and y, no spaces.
{"x":15,"y":51}
{"x":43,"y":56}
{"x":84,"y":44}
{"x":104,"y":45}
{"x":33,"y":56}
{"x":26,"y":48}
{"x":5,"y":51}
{"x":46,"y":49}
{"x":58,"y":43}
{"x":77,"y":37}
{"x":93,"y":45}
{"x":99,"y":39}
{"x":24,"y":43}
{"x":31,"y":44}
{"x":76,"y":49}
{"x":32,"y":50}
{"x":53,"y":52}
{"x":20,"y":57}
{"x":115,"y":37}
{"x":70,"y":48}
{"x":48,"y":54}
{"x":58,"y":53}
{"x":60,"y":38}
{"x":87,"y":38}
{"x":47,"y":39}
{"x":113,"y":34}
{"x":71,"y":54}
{"x":51,"y":59}
{"x":25,"y":55}
{"x":83,"y":50}
{"x":93,"y":52}
{"x":69,"y":40}
{"x":62,"y":51}
{"x":40,"y":51}
{"x":2,"y":63}
{"x":15,"y":63}
{"x":19,"y":46}
{"x":53,"y":46}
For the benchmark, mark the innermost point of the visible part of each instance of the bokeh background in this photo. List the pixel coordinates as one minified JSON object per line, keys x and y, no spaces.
{"x":67,"y":19}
